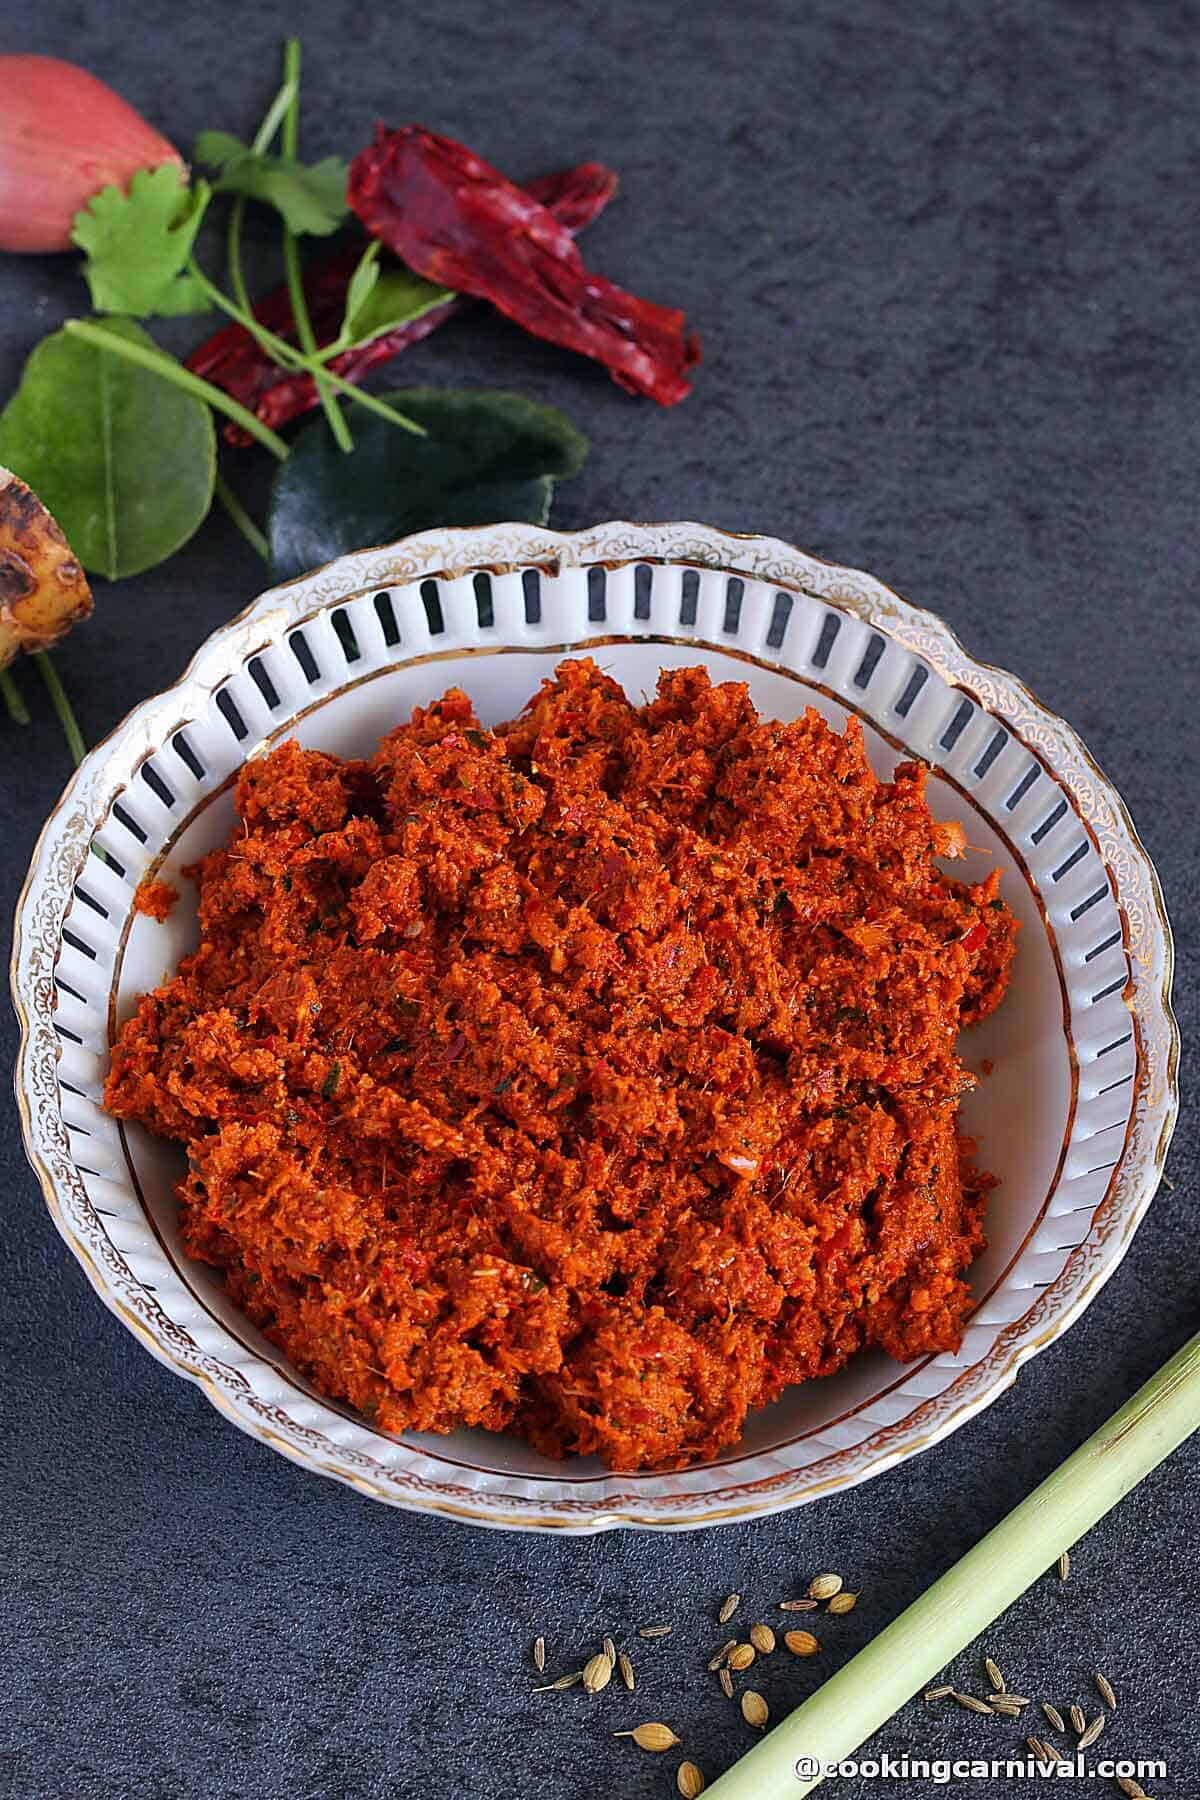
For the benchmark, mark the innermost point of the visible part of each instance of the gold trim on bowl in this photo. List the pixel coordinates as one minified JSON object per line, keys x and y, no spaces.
{"x":447,"y":554}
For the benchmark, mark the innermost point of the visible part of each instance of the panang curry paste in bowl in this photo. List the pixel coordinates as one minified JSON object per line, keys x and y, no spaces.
{"x":593,"y":1078}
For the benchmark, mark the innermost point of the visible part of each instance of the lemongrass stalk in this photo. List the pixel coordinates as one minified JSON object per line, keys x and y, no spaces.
{"x":241,"y":518}
{"x":14,"y":704}
{"x":876,"y":1683}
{"x":60,"y":701}
{"x":291,"y":257}
{"x":159,"y":363}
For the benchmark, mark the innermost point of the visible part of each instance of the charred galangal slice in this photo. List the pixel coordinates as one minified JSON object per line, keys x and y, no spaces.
{"x":43,"y":590}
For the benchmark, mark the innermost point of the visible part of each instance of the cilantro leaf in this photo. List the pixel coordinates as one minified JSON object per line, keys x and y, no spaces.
{"x":137,"y":244}
{"x":361,"y":286}
{"x":310,"y":196}
{"x":216,"y":148}
{"x":396,"y":298}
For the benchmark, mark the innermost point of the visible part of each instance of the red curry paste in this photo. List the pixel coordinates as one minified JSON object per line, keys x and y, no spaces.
{"x":594,"y":1078}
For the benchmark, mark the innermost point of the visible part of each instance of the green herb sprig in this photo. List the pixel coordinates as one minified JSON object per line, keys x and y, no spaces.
{"x":117,"y":436}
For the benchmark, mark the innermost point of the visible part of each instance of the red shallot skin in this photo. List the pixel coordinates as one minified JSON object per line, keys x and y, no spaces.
{"x":64,"y":135}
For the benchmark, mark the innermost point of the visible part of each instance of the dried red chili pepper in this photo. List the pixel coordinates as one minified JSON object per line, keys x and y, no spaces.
{"x":456,"y":220}
{"x":235,"y":362}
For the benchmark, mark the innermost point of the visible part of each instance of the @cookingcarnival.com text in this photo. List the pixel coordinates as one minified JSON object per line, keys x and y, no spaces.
{"x":942,"y":1770}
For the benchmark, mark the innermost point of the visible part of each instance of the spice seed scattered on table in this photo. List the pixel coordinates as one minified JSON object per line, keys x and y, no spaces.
{"x":741,"y":1656}
{"x":610,"y":1650}
{"x":626,"y":1668}
{"x":754,"y":1709}
{"x":763,"y":1638}
{"x":994,"y":1675}
{"x":726,"y":1680}
{"x":1077,"y":1719}
{"x":564,"y":1681}
{"x":689,"y":1781}
{"x":972,"y":1704}
{"x":539,"y":1654}
{"x":655,"y":1631}
{"x":801,"y":1643}
{"x":1105,"y":1689}
{"x":798,"y":1605}
{"x":729,"y":1606}
{"x":843,"y":1603}
{"x":937,"y":1693}
{"x":1064,"y":1565}
{"x":651,"y":1736}
{"x":1093,"y":1732}
{"x":597,"y":1673}
{"x":824,"y":1587}
{"x":721,"y":1656}
{"x":1054,"y":1716}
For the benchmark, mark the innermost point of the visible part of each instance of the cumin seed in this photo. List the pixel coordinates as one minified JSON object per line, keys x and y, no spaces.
{"x":1054,"y":1716}
{"x":539,"y":1654}
{"x":729,"y":1606}
{"x":1093,"y":1732}
{"x":1105,"y":1688}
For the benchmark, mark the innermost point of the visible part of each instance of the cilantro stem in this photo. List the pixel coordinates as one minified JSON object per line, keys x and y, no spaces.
{"x":160,"y":364}
{"x":241,"y":518}
{"x":291,"y":257}
{"x":272,"y":120}
{"x":62,"y":706}
{"x":233,"y":253}
{"x":14,"y":705}
{"x":289,"y":357}
{"x":374,"y":404}
{"x":276,"y":113}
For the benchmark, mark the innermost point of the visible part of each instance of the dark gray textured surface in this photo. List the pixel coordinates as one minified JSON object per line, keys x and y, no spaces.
{"x":945,"y":267}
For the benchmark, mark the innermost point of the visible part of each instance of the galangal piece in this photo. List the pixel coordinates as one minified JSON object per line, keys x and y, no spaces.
{"x":43,"y":590}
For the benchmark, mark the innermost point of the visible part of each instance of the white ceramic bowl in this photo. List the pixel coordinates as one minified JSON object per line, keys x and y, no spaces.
{"x":1074,"y":1120}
